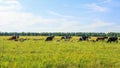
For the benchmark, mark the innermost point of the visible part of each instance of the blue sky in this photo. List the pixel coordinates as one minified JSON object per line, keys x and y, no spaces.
{"x":59,"y":15}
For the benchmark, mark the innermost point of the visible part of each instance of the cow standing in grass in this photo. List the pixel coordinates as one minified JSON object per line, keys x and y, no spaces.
{"x":50,"y":38}
{"x":83,"y":38}
{"x":101,"y":38}
{"x":15,"y":38}
{"x":112,"y":39}
{"x":66,"y":38}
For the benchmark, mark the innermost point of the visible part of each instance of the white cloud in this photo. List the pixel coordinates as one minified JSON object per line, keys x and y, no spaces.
{"x":95,"y":7}
{"x":7,"y":5}
{"x":107,"y":1}
{"x":61,"y":15}
{"x":100,"y":23}
{"x":11,"y":19}
{"x":76,"y":26}
{"x":19,"y":20}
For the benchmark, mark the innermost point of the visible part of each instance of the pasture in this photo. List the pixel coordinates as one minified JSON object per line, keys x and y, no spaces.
{"x":58,"y":54}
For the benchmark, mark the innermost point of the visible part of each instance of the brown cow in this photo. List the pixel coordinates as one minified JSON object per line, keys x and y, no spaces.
{"x":101,"y":38}
{"x":14,"y":38}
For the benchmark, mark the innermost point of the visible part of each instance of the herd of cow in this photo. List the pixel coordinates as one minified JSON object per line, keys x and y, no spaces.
{"x":109,"y":39}
{"x":67,"y":38}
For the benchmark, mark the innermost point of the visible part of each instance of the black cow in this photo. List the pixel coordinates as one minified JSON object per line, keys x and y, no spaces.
{"x":112,"y":39}
{"x":101,"y":38}
{"x":50,"y":38}
{"x":83,"y":38}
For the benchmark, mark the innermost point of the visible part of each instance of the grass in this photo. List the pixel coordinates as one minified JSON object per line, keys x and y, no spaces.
{"x":63,"y":54}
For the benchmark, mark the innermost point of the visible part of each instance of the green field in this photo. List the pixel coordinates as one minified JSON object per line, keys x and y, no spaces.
{"x":62,"y":54}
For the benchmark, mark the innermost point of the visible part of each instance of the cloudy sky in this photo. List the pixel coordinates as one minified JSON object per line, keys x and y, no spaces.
{"x":60,"y":15}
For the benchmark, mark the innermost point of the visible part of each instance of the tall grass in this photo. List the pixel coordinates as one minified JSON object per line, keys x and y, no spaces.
{"x":63,"y":54}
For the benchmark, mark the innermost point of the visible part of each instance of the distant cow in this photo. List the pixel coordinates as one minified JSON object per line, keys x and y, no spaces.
{"x":50,"y":38}
{"x":80,"y":39}
{"x":112,"y":39}
{"x":101,"y":38}
{"x":14,"y":38}
{"x":66,"y":37}
{"x":83,"y":38}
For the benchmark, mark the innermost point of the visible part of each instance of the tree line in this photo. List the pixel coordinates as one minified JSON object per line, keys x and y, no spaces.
{"x":110,"y":34}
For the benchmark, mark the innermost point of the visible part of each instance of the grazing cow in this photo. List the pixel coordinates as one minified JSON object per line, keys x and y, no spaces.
{"x":66,"y":37}
{"x":80,"y":39}
{"x":101,"y":38}
{"x":50,"y":38}
{"x":14,"y":38}
{"x":112,"y":39}
{"x":83,"y":38}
